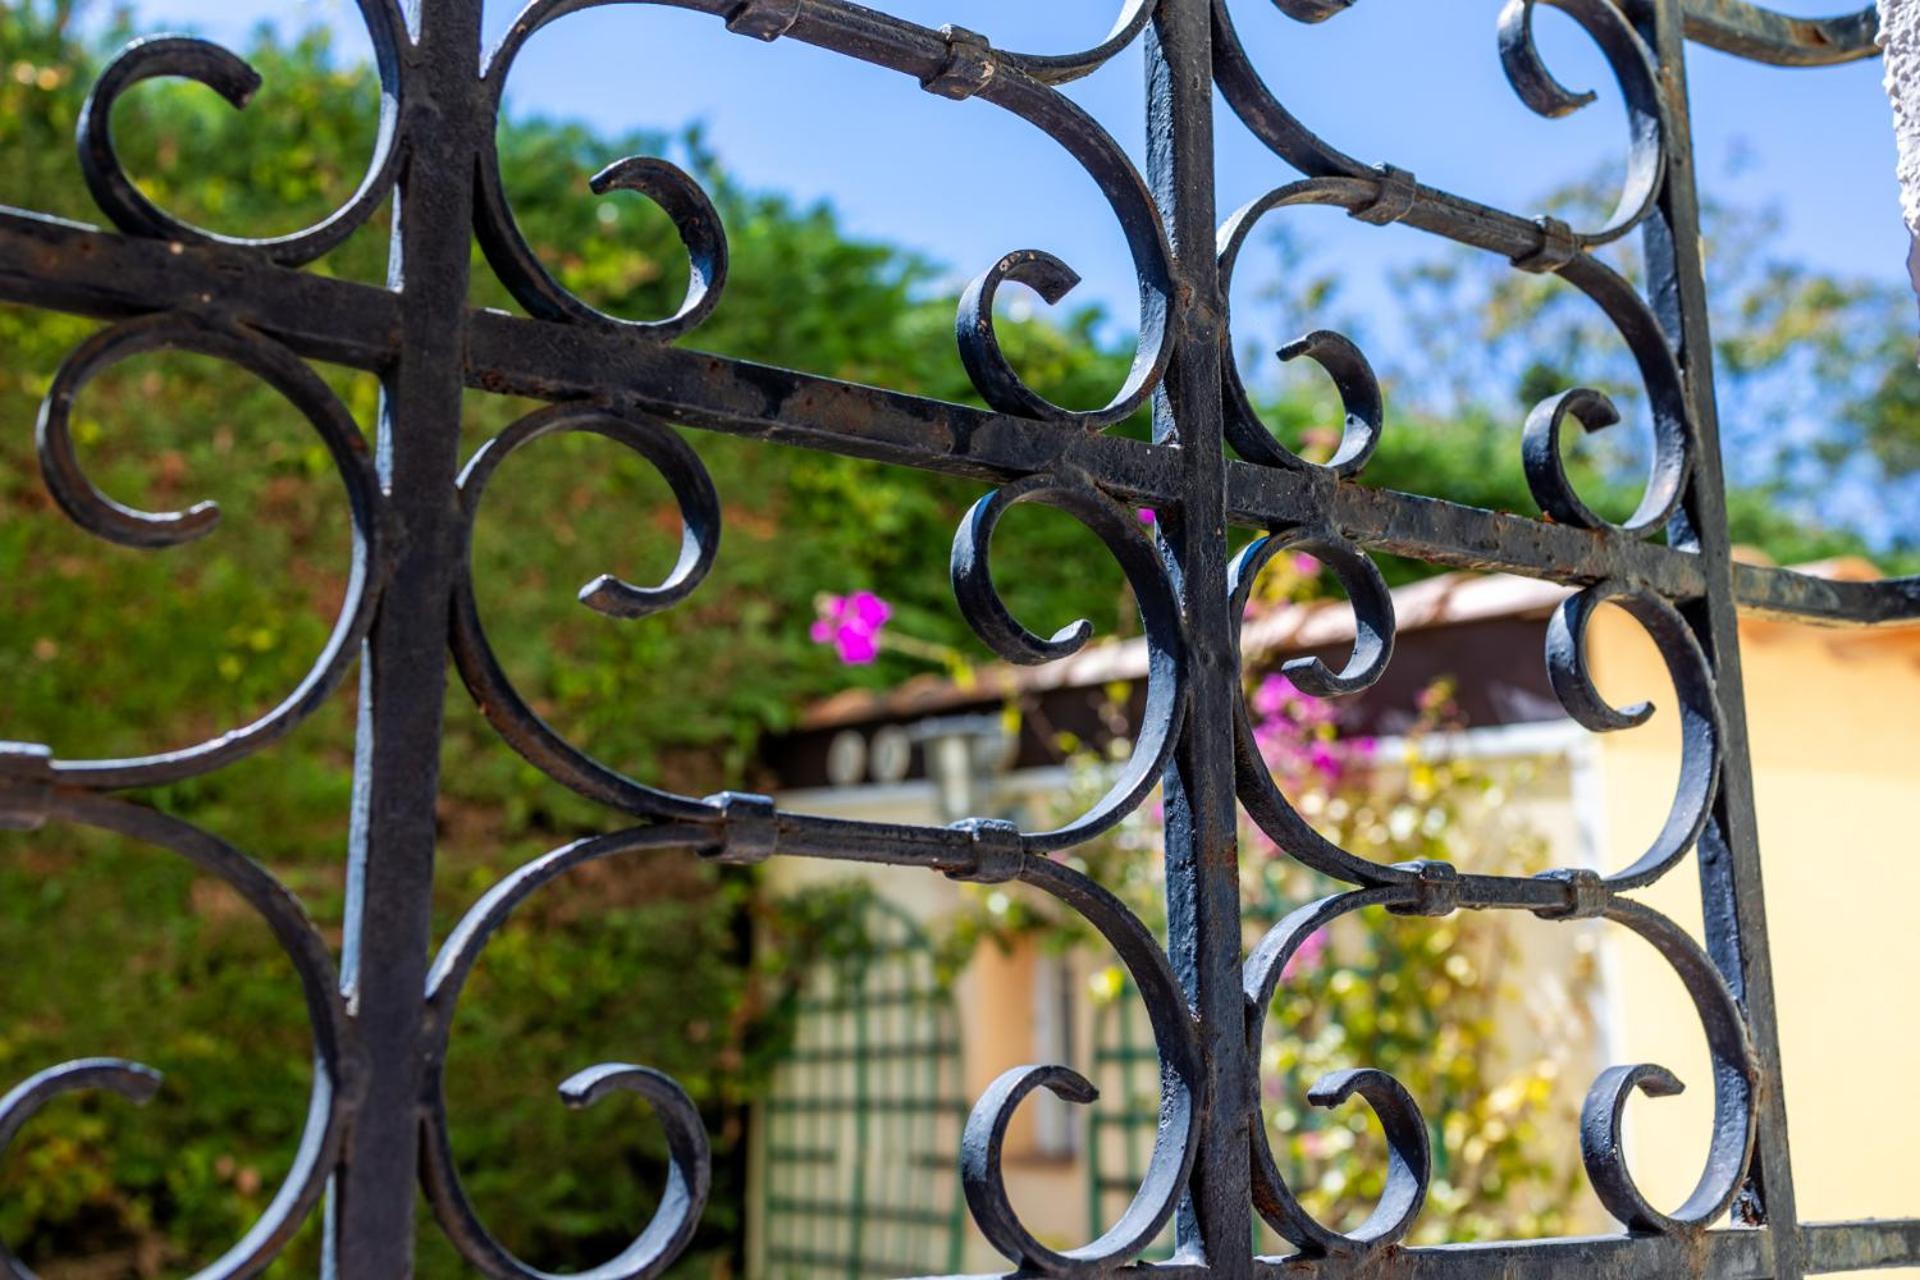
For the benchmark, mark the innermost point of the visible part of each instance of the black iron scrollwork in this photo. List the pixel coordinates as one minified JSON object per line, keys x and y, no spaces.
{"x":101,"y":516}
{"x":1733,"y":1111}
{"x":689,"y":1170}
{"x":1372,"y":651}
{"x":667,"y":185}
{"x":1134,"y":549}
{"x":1063,"y":68}
{"x":336,"y":1075}
{"x":1701,"y":730}
{"x":1344,"y":362}
{"x":951,"y":63}
{"x":1409,"y":1157}
{"x":1352,"y":374}
{"x":229,"y":75}
{"x":1442,"y":212}
{"x":487,"y":680}
{"x":1632,"y":64}
{"x":1182,"y":1094}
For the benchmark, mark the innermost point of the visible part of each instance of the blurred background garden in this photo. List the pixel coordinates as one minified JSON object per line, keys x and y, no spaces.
{"x":832,"y":577}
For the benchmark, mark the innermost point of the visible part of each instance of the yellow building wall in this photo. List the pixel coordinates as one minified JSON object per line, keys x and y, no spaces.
{"x":1836,"y":760}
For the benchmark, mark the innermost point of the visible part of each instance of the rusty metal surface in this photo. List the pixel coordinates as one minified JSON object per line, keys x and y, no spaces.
{"x":1754,"y":31}
{"x":377,"y":1118}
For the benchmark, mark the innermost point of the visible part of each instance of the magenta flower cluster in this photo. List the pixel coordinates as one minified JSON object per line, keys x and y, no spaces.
{"x":1298,"y":737}
{"x":1295,"y":733}
{"x":852,"y":625}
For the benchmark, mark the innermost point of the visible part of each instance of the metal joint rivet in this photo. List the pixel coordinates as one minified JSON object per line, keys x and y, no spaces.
{"x":26,"y":785}
{"x":1587,"y":894}
{"x":1438,"y":884}
{"x":752,"y":829}
{"x":997,"y":850}
{"x":1398,"y":192}
{"x":764,"y":19}
{"x":968,"y":68}
{"x":1558,"y":245}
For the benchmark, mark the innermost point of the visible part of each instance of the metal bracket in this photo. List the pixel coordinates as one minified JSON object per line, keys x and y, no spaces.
{"x":1399,"y":192}
{"x":751,"y":831}
{"x":969,"y":66}
{"x":1588,"y":895}
{"x":26,"y":785}
{"x":1558,"y":246}
{"x":997,"y":851}
{"x":764,"y":19}
{"x":1438,"y":884}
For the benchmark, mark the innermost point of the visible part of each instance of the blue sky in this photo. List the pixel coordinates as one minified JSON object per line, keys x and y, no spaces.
{"x":1414,"y":82}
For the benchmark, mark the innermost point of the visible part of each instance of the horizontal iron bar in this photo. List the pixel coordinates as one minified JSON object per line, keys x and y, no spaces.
{"x":1730,"y":1254}
{"x":1782,"y":593}
{"x":68,"y":266}
{"x":65,"y":266}
{"x":1747,"y":30}
{"x":1460,"y":536}
{"x":1733,"y":1254}
{"x":1137,"y":1271}
{"x":1860,"y":1246}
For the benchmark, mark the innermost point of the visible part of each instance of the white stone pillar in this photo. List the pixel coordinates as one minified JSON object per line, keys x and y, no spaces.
{"x":1900,"y":38}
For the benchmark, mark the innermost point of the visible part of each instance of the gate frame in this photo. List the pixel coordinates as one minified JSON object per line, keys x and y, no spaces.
{"x":377,"y":1122}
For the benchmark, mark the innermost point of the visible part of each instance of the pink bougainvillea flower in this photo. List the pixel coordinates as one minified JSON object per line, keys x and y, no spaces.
{"x":1146,"y":515}
{"x":1305,"y":565}
{"x":1313,"y":712}
{"x":856,"y":648}
{"x":1325,"y":757}
{"x":1276,"y":700}
{"x":1270,"y":696}
{"x":869,"y":610}
{"x":852,"y":625}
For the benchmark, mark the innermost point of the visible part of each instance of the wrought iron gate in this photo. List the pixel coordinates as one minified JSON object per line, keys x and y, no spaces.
{"x":377,"y":1122}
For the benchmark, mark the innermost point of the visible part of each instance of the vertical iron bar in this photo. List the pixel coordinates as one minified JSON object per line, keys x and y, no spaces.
{"x":403,"y":674}
{"x":1729,"y":850}
{"x":1203,"y":880}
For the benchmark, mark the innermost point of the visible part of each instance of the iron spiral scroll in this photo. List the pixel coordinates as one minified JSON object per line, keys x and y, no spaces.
{"x":637,"y":382}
